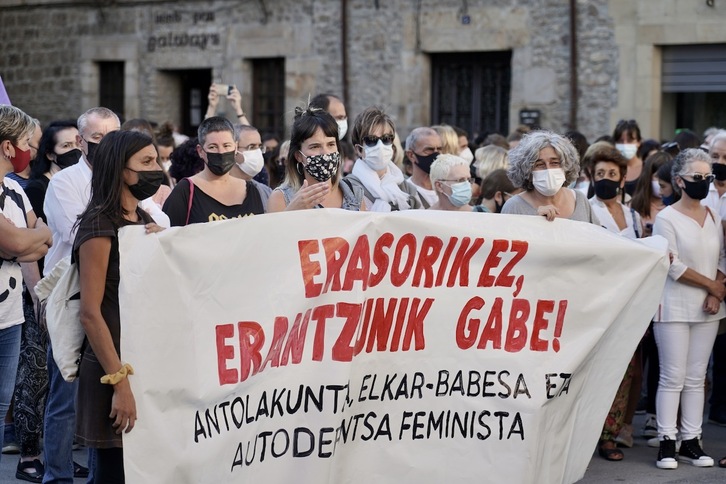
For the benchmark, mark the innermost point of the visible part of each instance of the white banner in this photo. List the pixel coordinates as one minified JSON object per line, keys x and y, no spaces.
{"x":337,"y":347}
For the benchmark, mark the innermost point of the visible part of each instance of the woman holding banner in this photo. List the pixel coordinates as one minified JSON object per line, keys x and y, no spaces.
{"x":125,"y":172}
{"x":312,"y":178}
{"x":691,"y":306}
{"x":543,"y":164}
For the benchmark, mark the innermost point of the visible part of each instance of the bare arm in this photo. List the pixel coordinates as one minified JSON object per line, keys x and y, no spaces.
{"x":19,"y":242}
{"x":276,"y":203}
{"x":93,"y":259}
{"x":715,"y":287}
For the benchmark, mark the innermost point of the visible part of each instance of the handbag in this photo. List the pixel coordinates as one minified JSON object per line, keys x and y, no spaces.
{"x":61,"y":292}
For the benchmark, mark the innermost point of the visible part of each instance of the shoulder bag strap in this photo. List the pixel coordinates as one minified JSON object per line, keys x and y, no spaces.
{"x":635,"y":223}
{"x":191,"y":197}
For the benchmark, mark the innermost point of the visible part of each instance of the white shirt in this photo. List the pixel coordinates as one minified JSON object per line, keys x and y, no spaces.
{"x":430,"y":196}
{"x":633,"y":227}
{"x":692,"y":246}
{"x":716,"y":203}
{"x":67,"y":197}
{"x":68,"y":194}
{"x":11,"y":279}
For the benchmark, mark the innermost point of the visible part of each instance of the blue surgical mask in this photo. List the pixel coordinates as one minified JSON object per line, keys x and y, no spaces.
{"x":460,"y":194}
{"x":669,"y":199}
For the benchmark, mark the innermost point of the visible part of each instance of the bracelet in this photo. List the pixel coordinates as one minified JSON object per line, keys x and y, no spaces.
{"x":241,"y":115}
{"x":114,"y":378}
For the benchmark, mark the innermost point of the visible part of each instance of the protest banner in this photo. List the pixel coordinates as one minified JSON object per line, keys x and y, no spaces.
{"x":325,"y":346}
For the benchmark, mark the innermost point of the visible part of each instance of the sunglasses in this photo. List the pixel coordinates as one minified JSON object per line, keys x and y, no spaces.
{"x":699,"y":177}
{"x":371,"y":141}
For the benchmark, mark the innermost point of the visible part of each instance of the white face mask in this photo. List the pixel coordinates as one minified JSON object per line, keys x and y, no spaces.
{"x":628,"y":150}
{"x":253,"y":163}
{"x":656,"y":188}
{"x":548,"y":182}
{"x":342,"y":127}
{"x":377,"y":157}
{"x":467,"y":155}
{"x":166,"y":165}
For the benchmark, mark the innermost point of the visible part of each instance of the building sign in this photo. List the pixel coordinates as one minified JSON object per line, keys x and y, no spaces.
{"x":188,"y":31}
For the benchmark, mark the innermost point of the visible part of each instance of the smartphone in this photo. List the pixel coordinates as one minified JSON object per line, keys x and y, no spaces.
{"x":223,"y":89}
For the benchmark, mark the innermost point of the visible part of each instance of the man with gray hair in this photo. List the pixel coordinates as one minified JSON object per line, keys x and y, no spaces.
{"x":423,"y":145}
{"x":68,"y":193}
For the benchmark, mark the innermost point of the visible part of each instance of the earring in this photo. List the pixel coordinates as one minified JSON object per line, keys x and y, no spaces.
{"x":297,"y":167}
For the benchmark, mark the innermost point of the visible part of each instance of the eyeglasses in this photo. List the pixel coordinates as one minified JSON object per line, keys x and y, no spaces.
{"x":699,"y":177}
{"x":460,"y":180}
{"x":371,"y":141}
{"x":252,"y":147}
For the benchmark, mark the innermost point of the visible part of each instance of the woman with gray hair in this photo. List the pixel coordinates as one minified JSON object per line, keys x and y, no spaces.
{"x":686,"y":323}
{"x":542,"y":164}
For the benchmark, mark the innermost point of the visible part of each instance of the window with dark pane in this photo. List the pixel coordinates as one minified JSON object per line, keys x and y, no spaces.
{"x":472,"y":91}
{"x":268,"y":95}
{"x":111,"y":88}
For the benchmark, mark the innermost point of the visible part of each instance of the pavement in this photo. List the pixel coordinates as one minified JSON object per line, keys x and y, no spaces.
{"x":638,"y":467}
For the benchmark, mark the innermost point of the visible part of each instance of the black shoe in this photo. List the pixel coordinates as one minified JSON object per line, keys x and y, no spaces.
{"x":31,"y":471}
{"x":667,"y":455}
{"x":79,"y":472}
{"x":692,"y":453}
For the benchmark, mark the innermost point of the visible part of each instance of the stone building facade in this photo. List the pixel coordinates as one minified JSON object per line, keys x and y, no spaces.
{"x":477,"y":63}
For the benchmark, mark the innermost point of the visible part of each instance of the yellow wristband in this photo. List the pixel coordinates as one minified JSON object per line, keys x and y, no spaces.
{"x":118,"y":376}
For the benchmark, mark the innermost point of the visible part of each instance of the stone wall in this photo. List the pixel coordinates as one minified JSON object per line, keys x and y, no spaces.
{"x":49,"y":54}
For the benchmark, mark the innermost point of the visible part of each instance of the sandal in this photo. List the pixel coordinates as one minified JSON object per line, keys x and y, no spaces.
{"x":612,"y":454}
{"x":722,"y":462}
{"x":31,"y":471}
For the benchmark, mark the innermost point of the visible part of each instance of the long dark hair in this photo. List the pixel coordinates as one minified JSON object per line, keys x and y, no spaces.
{"x":109,"y":162}
{"x":643,"y":189}
{"x":42,"y":163}
{"x":306,"y":122}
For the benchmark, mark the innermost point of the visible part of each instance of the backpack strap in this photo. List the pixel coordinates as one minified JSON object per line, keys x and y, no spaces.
{"x":191,"y":197}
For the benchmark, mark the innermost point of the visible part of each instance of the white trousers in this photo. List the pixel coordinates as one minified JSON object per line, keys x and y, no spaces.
{"x":684,"y":350}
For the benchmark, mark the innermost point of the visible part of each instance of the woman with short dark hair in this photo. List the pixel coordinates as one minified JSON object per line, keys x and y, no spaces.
{"x":213,"y":194}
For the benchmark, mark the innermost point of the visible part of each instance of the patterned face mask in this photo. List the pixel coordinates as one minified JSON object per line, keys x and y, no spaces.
{"x":322,"y":167}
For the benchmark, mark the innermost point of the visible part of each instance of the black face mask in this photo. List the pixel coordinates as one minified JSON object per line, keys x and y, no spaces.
{"x":424,"y":162}
{"x":148,"y":184}
{"x":91,"y":151}
{"x":68,"y":158}
{"x":280,"y":170}
{"x":697,"y":190}
{"x":606,"y":189}
{"x":719,"y":171}
{"x":220,"y":163}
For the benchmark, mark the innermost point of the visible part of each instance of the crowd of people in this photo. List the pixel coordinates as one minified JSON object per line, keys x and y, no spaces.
{"x":67,"y":188}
